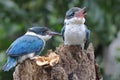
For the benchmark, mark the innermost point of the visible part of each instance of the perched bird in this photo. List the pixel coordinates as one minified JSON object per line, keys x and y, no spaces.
{"x":75,"y":31}
{"x":27,"y":46}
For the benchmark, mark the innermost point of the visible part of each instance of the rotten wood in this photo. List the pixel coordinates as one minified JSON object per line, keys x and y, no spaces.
{"x":74,"y":64}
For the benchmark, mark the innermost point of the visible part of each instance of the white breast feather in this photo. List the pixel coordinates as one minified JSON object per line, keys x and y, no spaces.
{"x":74,"y":34}
{"x":24,"y":57}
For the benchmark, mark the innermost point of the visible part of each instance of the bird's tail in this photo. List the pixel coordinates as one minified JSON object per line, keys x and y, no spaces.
{"x":11,"y":62}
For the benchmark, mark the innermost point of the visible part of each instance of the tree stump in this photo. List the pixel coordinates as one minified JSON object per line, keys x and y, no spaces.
{"x":74,"y":64}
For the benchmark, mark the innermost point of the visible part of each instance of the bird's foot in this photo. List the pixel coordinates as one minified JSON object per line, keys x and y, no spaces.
{"x":33,"y":58}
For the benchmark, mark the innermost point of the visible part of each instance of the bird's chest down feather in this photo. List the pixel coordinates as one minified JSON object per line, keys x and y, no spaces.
{"x":74,"y":35}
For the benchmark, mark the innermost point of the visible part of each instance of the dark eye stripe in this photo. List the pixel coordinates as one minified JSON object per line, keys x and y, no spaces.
{"x":71,"y":12}
{"x":70,"y":15}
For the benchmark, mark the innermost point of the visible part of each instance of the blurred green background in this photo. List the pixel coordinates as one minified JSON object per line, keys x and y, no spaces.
{"x":103,"y":19}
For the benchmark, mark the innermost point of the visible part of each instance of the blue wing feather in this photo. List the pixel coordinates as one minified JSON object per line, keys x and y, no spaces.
{"x":62,"y":32}
{"x":87,"y":38}
{"x":25,"y":45}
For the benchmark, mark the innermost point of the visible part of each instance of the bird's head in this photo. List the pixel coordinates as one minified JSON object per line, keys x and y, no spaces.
{"x":75,"y":15}
{"x":41,"y":32}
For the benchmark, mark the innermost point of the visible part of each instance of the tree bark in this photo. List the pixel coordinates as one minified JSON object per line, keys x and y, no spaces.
{"x":74,"y":64}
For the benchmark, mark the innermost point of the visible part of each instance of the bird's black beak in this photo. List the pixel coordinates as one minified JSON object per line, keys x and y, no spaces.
{"x":53,"y":33}
{"x":81,"y":13}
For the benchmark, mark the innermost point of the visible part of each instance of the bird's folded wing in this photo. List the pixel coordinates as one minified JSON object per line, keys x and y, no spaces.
{"x":25,"y":45}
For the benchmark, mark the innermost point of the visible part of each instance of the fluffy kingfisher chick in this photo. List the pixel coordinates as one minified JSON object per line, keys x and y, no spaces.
{"x":75,"y":31}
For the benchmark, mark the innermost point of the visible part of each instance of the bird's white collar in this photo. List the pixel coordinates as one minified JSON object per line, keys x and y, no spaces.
{"x":46,"y":37}
{"x":75,"y":20}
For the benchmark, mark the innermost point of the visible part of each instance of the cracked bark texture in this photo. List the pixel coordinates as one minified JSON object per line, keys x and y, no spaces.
{"x":74,"y":64}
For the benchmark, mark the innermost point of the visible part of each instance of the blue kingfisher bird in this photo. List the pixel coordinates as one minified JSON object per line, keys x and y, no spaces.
{"x":27,"y":46}
{"x":75,"y":31}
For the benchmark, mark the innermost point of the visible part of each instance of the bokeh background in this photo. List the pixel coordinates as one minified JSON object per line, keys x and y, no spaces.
{"x":103,"y":19}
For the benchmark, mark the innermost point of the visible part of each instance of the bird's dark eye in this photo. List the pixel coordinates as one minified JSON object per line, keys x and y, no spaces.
{"x":70,"y":15}
{"x":43,"y":33}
